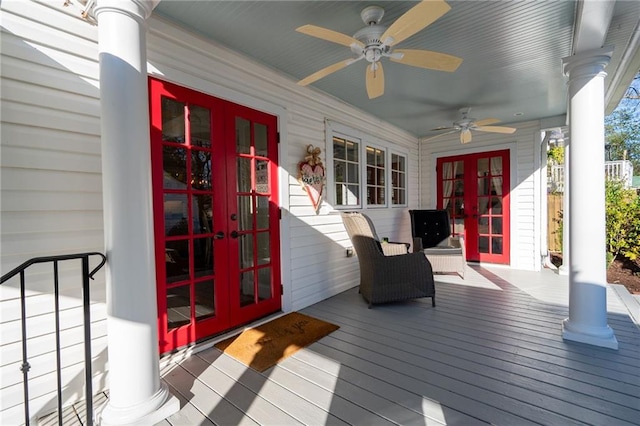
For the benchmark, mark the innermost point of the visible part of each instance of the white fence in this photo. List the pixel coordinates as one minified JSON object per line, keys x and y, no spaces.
{"x":621,"y":170}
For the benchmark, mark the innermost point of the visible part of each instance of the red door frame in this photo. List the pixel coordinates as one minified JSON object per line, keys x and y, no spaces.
{"x":225,"y":250}
{"x":471,"y":198}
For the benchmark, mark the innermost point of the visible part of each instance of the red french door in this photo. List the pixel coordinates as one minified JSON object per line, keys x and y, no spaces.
{"x":474,"y":189}
{"x":216,"y":215}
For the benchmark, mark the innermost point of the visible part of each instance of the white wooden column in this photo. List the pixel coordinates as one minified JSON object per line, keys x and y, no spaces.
{"x":587,"y":322}
{"x":136,"y":394}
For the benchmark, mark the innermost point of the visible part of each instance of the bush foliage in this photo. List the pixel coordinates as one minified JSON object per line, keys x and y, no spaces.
{"x":623,"y":221}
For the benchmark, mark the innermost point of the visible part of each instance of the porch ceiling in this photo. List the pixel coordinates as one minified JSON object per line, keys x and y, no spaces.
{"x":512,"y":54}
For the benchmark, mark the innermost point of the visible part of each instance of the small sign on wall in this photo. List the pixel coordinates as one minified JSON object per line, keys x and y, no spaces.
{"x":311,"y":175}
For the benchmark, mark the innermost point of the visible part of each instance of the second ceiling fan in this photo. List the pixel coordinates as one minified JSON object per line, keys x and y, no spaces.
{"x":466,"y":124}
{"x":376,"y":41}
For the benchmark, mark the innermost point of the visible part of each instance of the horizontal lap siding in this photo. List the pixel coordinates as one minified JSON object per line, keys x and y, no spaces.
{"x":524,"y":208}
{"x":317,"y":265}
{"x":51,"y":198}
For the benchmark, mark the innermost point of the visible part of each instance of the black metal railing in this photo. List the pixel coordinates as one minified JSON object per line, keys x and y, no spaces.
{"x":24,"y":368}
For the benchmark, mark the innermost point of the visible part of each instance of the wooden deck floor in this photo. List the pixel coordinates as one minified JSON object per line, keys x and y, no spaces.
{"x":490,"y":352}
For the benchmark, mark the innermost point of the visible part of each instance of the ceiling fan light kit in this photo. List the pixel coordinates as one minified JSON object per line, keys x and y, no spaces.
{"x":375,"y":41}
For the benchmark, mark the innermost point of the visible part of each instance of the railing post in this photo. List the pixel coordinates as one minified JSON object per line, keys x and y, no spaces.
{"x":87,"y":340}
{"x":56,"y":302}
{"x":25,"y":364}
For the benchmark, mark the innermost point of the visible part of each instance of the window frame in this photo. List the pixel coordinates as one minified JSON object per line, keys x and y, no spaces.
{"x":365,"y":140}
{"x":406,"y":178}
{"x":386,"y":176}
{"x":331,"y":170}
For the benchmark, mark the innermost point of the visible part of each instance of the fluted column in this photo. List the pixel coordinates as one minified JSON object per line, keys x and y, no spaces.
{"x":587,"y":322}
{"x":136,"y":394}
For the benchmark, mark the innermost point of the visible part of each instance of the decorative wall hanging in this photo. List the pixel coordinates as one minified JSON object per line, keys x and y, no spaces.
{"x":311,"y":175}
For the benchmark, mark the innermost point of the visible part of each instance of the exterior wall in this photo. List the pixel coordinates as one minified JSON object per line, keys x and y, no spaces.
{"x":524,"y":146}
{"x":51,"y":179}
{"x":51,"y":201}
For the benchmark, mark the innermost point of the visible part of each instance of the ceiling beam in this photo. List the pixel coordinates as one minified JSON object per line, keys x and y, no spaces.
{"x":592,"y":23}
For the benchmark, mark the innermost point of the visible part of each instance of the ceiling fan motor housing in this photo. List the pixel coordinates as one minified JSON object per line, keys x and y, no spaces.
{"x":372,"y":15}
{"x":373,"y":47}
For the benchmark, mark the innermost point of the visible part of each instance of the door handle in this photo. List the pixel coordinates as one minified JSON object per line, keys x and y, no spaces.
{"x":234,"y":234}
{"x":219,"y":235}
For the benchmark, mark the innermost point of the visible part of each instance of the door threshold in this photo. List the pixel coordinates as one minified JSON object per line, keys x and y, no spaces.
{"x":185,"y":352}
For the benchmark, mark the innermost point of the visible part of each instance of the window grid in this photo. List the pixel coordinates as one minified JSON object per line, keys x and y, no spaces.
{"x":346,"y":168}
{"x":398,"y":179}
{"x":376,"y":182}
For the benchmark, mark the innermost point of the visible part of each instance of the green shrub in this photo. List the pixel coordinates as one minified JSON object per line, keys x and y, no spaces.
{"x":623,"y":221}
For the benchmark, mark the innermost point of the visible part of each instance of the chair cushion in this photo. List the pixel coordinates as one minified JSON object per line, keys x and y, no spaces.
{"x":443,"y":250}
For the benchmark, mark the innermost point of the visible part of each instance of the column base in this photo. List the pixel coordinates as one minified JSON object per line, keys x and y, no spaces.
{"x":154,"y":410}
{"x":596,"y":336}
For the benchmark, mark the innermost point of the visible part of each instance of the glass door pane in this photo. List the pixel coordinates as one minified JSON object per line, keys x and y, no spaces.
{"x":452,"y":190}
{"x":489,"y":205}
{"x":253,"y":217}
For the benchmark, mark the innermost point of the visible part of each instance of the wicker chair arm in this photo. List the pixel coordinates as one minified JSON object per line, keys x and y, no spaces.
{"x":394,"y":249}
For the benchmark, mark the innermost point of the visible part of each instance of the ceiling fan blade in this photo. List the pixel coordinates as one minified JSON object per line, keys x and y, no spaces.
{"x":427,"y":59}
{"x":465,"y":136}
{"x":375,"y":80}
{"x":329,"y":35}
{"x":495,"y":129}
{"x":325,"y":72}
{"x":444,"y":128}
{"x":441,"y":134}
{"x":415,"y":19}
{"x":486,"y":121}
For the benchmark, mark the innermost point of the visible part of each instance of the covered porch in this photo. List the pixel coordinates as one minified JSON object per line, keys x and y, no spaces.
{"x":490,"y":352}
{"x":500,"y":347}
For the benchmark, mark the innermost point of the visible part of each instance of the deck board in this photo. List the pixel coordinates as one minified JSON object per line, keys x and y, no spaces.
{"x":248,"y":401}
{"x":490,"y":352}
{"x":393,"y":393}
{"x":438,"y":366}
{"x":297,"y":407}
{"x":501,"y":363}
{"x":204,"y":399}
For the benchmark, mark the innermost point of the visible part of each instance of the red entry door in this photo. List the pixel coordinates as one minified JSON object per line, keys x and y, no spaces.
{"x":474,"y":189}
{"x":216,"y":215}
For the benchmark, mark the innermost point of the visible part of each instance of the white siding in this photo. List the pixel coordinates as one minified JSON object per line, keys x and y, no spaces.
{"x":316,"y":265}
{"x":51,"y":200}
{"x":525,"y":208}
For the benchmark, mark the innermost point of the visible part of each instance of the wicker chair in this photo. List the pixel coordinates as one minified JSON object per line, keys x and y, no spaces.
{"x":431,"y":232}
{"x":387,"y":277}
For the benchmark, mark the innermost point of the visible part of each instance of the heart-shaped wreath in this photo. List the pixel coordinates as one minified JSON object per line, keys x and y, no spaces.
{"x":311,"y":175}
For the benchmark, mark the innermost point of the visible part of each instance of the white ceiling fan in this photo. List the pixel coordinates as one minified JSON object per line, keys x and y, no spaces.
{"x":376,"y":41}
{"x":466,"y":124}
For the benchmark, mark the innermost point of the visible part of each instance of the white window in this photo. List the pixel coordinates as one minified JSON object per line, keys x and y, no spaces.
{"x":346,"y":171}
{"x":398,"y":180}
{"x":362,"y":172}
{"x":376,"y":176}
